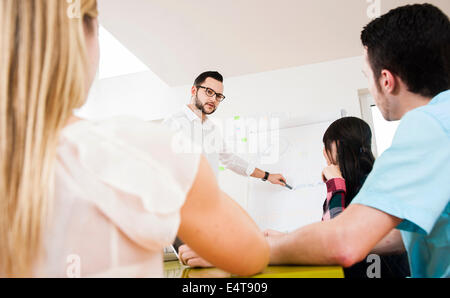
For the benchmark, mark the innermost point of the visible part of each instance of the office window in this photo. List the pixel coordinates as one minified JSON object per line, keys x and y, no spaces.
{"x":383,"y":131}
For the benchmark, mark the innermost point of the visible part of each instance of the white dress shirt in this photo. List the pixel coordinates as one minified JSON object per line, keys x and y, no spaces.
{"x":208,"y":137}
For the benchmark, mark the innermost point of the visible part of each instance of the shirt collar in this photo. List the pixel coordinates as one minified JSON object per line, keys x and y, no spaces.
{"x":190,"y":114}
{"x":192,"y":117}
{"x":443,"y":96}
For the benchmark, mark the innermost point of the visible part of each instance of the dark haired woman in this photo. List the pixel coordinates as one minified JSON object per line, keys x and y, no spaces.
{"x":350,"y":160}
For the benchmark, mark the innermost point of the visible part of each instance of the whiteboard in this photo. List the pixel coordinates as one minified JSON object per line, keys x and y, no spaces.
{"x":301,"y":162}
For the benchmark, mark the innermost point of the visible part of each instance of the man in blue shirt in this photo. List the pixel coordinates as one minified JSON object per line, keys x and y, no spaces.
{"x":407,"y":63}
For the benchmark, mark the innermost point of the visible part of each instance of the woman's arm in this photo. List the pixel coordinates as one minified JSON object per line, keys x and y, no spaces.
{"x":336,"y":191}
{"x":221,"y":232}
{"x":335,"y":203}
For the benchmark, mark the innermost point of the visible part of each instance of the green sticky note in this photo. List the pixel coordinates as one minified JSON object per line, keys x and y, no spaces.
{"x":221,"y":169}
{"x":237,"y":117}
{"x":244,"y":140}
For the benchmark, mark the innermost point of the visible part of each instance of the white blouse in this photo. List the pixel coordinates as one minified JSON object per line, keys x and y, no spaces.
{"x":118,"y":193}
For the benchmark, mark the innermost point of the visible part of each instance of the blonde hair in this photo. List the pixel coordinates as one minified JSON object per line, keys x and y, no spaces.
{"x":43,"y":65}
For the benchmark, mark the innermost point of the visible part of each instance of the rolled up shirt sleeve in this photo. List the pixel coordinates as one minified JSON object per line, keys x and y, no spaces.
{"x":237,"y":164}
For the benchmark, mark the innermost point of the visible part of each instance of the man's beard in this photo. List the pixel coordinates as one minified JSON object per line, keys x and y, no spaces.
{"x":201,"y":107}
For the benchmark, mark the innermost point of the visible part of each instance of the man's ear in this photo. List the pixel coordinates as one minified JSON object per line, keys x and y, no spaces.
{"x":388,"y":81}
{"x":193,"y":91}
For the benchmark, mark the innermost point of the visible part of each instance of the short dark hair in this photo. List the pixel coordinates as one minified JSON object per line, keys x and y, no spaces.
{"x":413,"y":42}
{"x":208,"y":74}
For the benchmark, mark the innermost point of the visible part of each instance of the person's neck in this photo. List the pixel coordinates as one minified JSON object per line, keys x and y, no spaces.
{"x":411,"y":101}
{"x":73,"y":119}
{"x":197,"y":112}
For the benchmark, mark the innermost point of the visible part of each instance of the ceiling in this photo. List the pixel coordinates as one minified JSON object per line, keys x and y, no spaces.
{"x":178,"y":39}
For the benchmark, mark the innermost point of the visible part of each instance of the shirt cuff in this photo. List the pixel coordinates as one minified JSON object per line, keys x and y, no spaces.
{"x":250,"y":170}
{"x":336,"y":184}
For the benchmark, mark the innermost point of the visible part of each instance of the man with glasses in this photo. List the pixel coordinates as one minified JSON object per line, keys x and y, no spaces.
{"x":206,"y":96}
{"x":192,"y":121}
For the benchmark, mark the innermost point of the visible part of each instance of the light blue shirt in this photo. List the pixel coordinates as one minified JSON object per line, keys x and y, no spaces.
{"x":411,"y":181}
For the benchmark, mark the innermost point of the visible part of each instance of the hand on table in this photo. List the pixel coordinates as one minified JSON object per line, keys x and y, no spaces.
{"x":191,"y":258}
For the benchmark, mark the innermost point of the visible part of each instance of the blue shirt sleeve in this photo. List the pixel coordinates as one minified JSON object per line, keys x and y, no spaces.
{"x":411,"y":179}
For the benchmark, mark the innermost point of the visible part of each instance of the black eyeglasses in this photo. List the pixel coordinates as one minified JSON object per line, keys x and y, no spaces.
{"x":211,"y":93}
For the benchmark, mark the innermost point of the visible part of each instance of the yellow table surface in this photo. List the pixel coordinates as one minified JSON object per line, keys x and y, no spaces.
{"x":176,"y":270}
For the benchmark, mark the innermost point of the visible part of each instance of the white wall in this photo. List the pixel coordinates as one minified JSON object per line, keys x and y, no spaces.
{"x":306,"y":92}
{"x":141,"y":94}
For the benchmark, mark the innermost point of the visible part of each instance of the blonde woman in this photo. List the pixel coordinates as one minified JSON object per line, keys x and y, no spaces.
{"x":81,"y":198}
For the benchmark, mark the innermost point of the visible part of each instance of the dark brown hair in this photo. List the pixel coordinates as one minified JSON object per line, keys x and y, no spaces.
{"x":353,"y":139}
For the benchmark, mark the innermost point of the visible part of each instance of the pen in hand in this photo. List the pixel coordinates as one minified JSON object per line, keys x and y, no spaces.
{"x":285,"y":184}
